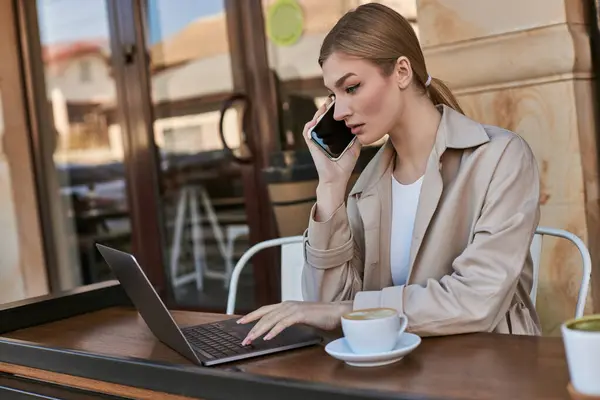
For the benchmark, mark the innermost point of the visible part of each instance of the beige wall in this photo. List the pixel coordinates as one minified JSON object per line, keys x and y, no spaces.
{"x":22,"y":265}
{"x":525,"y":66}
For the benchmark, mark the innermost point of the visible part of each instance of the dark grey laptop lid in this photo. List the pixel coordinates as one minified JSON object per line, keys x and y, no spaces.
{"x":146,"y":300}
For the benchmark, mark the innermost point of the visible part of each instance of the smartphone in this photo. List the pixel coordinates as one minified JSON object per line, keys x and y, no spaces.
{"x":331,"y":136}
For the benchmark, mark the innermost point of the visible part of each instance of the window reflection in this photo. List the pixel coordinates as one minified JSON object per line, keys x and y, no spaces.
{"x":203,"y":199}
{"x":84,"y":170}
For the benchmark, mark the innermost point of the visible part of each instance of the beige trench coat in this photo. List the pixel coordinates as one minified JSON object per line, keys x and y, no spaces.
{"x":470,"y":266}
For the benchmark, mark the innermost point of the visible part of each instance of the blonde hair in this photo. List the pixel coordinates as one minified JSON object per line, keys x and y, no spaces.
{"x":379,"y":34}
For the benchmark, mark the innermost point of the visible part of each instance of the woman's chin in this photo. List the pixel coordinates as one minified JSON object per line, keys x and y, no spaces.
{"x":366,"y":139}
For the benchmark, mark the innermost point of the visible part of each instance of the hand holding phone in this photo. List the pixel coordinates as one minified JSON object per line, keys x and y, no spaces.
{"x":333,"y":137}
{"x":333,"y":147}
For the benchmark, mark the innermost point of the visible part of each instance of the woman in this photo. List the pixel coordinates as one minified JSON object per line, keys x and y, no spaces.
{"x":438,"y":225}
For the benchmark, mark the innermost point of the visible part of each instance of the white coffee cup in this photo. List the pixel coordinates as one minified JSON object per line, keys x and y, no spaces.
{"x":373,"y":330}
{"x":582,"y":348}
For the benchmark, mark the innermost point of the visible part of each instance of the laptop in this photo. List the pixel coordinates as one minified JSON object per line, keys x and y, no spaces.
{"x":206,"y":344}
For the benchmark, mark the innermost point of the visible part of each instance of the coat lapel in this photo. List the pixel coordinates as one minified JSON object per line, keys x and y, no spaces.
{"x":431,"y":191}
{"x":384,"y":189}
{"x":370,"y":212}
{"x":373,"y":193}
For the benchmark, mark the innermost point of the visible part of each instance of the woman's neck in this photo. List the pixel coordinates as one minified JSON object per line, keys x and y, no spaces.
{"x":413,"y":138}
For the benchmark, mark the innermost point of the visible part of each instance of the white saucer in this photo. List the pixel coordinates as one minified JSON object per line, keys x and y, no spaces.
{"x":339,"y":349}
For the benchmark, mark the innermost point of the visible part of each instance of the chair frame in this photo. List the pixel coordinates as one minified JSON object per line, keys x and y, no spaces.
{"x":586,"y":264}
{"x":237,"y":270}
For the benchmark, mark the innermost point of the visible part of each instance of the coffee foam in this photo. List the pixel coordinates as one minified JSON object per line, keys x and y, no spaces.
{"x":375,"y":313}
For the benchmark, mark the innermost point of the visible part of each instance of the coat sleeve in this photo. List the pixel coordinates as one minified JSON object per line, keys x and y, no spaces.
{"x":333,"y":266}
{"x":477,"y":295}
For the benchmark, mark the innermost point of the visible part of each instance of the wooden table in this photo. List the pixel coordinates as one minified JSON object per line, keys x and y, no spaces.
{"x":478,"y":366}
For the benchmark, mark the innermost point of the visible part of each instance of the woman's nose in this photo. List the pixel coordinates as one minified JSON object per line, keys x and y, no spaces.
{"x":340,"y":112}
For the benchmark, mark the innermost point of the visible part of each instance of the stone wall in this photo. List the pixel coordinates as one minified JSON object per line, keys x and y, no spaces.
{"x":526,"y":66}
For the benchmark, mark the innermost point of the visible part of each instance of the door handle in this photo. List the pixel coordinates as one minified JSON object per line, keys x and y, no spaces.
{"x":129,"y":51}
{"x":246,"y":113}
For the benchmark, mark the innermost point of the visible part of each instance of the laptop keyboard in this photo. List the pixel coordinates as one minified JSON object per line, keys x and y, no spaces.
{"x":214,"y":342}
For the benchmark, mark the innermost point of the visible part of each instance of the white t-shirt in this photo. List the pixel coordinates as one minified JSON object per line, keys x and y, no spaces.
{"x":405,"y":199}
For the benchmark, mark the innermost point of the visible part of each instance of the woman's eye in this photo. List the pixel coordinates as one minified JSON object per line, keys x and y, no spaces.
{"x":352,"y":89}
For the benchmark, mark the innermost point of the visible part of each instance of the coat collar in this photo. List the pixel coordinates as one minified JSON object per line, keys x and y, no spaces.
{"x":455,"y":131}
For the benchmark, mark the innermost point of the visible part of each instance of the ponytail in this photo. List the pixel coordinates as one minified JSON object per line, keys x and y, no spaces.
{"x":439,"y":93}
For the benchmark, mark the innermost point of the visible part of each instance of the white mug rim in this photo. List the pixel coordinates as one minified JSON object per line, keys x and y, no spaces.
{"x":566,"y":329}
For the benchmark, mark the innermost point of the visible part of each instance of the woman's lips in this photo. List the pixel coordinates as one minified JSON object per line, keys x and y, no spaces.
{"x":356,"y":129}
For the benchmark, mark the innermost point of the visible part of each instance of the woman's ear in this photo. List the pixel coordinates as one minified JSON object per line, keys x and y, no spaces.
{"x":403,"y":72}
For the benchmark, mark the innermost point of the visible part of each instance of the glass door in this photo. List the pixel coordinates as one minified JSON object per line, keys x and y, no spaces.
{"x":212,"y":203}
{"x":202,"y":194}
{"x":152,"y":122}
{"x":78,"y":160}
